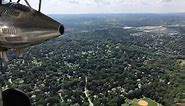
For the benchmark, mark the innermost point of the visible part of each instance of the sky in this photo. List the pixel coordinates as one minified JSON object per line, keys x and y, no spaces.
{"x":109,"y":6}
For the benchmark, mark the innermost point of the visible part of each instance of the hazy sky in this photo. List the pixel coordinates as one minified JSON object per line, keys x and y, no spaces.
{"x":109,"y":6}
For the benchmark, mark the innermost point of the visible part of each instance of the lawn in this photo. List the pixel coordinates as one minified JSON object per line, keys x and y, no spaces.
{"x":134,"y":102}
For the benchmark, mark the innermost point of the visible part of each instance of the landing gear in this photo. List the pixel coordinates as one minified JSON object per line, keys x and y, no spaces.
{"x":1,"y":69}
{"x":14,"y":97}
{"x":11,"y":97}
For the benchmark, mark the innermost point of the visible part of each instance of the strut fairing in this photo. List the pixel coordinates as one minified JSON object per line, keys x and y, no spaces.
{"x":21,"y":27}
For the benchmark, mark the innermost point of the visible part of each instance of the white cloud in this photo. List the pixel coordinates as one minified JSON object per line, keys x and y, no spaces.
{"x":109,"y":6}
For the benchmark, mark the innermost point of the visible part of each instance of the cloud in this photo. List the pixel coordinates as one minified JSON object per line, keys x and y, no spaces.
{"x":102,"y":2}
{"x":167,"y":0}
{"x":74,"y":1}
{"x":108,"y":6}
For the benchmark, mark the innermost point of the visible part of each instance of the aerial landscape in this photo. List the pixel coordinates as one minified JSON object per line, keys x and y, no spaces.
{"x":105,"y":60}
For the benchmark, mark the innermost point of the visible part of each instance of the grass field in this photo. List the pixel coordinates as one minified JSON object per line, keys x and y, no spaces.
{"x":134,"y":102}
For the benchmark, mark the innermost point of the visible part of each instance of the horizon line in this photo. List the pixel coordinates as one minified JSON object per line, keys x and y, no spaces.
{"x":116,"y":13}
